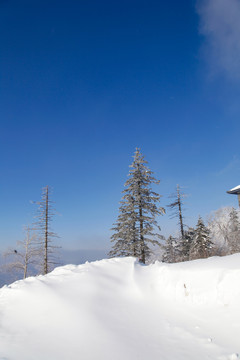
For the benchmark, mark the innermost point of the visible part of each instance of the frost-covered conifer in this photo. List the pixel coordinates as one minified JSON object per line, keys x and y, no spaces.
{"x":134,"y":229}
{"x":170,"y":254}
{"x":125,"y":233}
{"x":234,"y":232}
{"x":202,"y":245}
{"x":186,"y":244}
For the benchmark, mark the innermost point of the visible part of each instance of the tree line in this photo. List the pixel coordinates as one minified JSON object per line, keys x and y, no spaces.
{"x":137,"y":229}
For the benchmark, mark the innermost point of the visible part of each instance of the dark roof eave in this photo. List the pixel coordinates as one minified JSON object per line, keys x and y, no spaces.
{"x":234,"y":192}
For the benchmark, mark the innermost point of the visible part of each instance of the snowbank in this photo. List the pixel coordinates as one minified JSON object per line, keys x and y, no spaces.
{"x":118,"y":309}
{"x":214,"y":281}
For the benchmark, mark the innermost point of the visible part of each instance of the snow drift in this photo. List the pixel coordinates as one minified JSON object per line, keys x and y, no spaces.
{"x":119,"y":309}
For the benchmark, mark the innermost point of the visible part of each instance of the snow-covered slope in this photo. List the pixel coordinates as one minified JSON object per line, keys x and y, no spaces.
{"x":118,"y":309}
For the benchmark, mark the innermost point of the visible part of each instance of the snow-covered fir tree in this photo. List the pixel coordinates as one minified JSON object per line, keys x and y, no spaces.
{"x":186,"y":244}
{"x":170,"y":254}
{"x":177,"y":249}
{"x":125,"y":232}
{"x":136,"y":223}
{"x":234,"y":232}
{"x":202,"y":245}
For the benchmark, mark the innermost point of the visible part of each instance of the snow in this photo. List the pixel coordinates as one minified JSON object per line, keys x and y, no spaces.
{"x":118,"y":309}
{"x":235,"y":188}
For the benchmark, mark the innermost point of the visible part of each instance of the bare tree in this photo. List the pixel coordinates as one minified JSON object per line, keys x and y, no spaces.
{"x":218,"y":224}
{"x":223,"y":225}
{"x":27,"y":253}
{"x":43,"y":225}
{"x":184,"y":240}
{"x":177,"y":207}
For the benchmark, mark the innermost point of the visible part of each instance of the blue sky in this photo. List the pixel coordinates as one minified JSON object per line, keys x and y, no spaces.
{"x":82,"y":83}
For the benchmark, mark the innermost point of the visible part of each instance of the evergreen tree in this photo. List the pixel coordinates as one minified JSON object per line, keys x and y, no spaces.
{"x":125,"y":236}
{"x":186,"y":244}
{"x":134,"y":230}
{"x":170,"y":254}
{"x":234,"y":232}
{"x":202,"y":245}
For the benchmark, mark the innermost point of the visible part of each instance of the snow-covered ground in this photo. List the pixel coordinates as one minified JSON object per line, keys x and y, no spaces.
{"x":118,"y":309}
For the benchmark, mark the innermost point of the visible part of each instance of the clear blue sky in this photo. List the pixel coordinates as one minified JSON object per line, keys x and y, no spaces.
{"x":82,"y":83}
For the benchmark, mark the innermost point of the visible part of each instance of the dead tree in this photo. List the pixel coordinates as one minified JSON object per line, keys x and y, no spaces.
{"x":26,"y":254}
{"x":177,"y":207}
{"x":46,"y":235}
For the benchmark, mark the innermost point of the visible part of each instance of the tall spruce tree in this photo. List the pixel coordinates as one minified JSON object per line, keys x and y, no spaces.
{"x":202,"y":245}
{"x":125,"y":236}
{"x":136,"y":223}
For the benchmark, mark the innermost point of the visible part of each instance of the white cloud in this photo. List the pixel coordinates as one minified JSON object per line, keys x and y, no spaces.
{"x":220,"y":24}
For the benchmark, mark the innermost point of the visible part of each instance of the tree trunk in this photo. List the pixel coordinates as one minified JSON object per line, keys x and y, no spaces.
{"x":46,"y":235}
{"x":143,"y":257}
{"x":180,"y":211}
{"x":26,"y":255}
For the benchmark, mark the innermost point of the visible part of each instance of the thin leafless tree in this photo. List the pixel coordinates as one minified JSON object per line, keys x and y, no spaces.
{"x":46,"y":235}
{"x":26,"y":254}
{"x":177,"y":207}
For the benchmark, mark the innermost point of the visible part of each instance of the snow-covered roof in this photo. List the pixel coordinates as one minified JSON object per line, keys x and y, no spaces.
{"x":235,"y":190}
